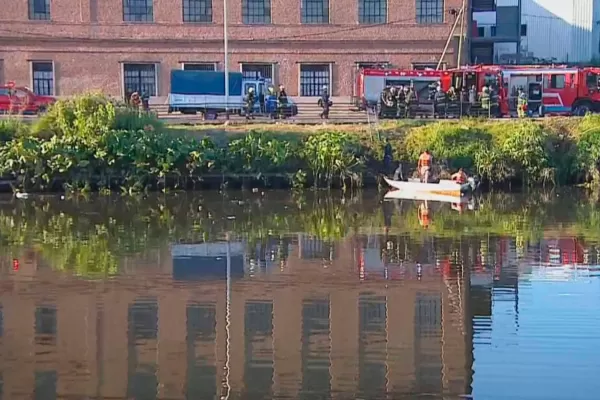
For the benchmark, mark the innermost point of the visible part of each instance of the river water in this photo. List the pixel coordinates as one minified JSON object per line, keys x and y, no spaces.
{"x":314,"y":296}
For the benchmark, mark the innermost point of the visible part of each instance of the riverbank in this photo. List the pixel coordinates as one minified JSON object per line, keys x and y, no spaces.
{"x":89,"y":144}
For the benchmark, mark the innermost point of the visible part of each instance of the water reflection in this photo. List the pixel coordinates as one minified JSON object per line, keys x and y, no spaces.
{"x":328,"y":300}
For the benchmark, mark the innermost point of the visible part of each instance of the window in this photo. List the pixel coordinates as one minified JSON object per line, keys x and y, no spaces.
{"x":199,"y":67}
{"x":257,"y":71}
{"x":315,"y":11}
{"x":43,"y":78}
{"x":480,"y":31}
{"x":45,"y":385}
{"x":372,"y":65}
{"x":372,"y":11}
{"x":197,"y":11}
{"x":524,"y":30}
{"x":138,"y":11}
{"x":493,"y":31}
{"x":426,"y":66}
{"x":557,"y":81}
{"x":312,"y":79}
{"x":139,"y":78}
{"x":143,"y":319}
{"x":45,"y":321}
{"x":256,"y":11}
{"x":39,"y":10}
{"x":430,"y":11}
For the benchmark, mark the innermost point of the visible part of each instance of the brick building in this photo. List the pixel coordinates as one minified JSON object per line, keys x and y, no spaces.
{"x":65,"y":47}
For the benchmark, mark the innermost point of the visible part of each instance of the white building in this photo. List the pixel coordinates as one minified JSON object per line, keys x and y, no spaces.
{"x":561,"y":30}
{"x":535,"y":31}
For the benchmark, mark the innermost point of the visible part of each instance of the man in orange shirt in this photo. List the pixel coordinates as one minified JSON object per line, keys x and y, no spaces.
{"x":460,"y":177}
{"x":424,"y":165}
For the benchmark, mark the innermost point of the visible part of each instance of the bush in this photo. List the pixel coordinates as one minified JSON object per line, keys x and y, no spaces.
{"x":11,"y":128}
{"x":92,"y":114}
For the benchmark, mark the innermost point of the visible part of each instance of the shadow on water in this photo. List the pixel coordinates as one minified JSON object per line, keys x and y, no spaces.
{"x":272,"y":295}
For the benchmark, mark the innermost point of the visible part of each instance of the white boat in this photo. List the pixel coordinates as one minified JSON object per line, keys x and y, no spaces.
{"x":424,"y":196}
{"x":415,"y":187}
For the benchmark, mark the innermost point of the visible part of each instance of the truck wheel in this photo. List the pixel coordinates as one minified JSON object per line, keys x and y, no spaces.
{"x":580,"y":109}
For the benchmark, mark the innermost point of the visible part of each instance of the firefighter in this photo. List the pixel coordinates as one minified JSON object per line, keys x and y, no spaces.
{"x":400,"y":102}
{"x":452,"y":100}
{"x":440,"y":102}
{"x":472,"y":99}
{"x":282,"y":102}
{"x":250,"y":103}
{"x":394,"y":100}
{"x":385,"y":101}
{"x":432,"y":89}
{"x":485,"y":100}
{"x":522,"y":104}
{"x":145,"y":102}
{"x":325,"y":103}
{"x":411,"y":100}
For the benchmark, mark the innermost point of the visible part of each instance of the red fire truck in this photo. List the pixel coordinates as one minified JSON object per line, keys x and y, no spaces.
{"x":371,"y":81}
{"x":555,"y":89}
{"x":480,"y":76}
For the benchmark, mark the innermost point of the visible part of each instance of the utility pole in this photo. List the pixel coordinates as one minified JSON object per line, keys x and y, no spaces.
{"x":226,"y":58}
{"x":451,"y":34}
{"x":462,"y":33}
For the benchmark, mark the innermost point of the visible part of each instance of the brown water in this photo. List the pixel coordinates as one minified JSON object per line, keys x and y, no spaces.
{"x":327,"y":297}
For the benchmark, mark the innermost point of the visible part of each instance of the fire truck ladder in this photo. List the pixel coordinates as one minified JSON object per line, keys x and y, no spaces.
{"x":373,"y":123}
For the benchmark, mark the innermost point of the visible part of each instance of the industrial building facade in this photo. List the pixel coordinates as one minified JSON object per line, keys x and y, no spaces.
{"x":65,"y":47}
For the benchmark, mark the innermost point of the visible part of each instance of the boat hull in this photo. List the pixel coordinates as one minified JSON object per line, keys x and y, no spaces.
{"x":424,"y":196}
{"x":443,"y":188}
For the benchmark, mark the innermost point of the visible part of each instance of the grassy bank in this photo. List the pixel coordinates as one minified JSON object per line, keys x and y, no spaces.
{"x":91,"y":144}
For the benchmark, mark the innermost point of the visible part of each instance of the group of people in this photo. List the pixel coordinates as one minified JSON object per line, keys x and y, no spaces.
{"x":282,"y":102}
{"x":397,"y":101}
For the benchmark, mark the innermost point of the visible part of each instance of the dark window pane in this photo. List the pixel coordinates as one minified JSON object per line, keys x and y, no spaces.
{"x":43,"y":78}
{"x":256,"y":11}
{"x":199,"y":67}
{"x":197,"y":11}
{"x":430,"y":11}
{"x":138,"y":11}
{"x":45,"y":321}
{"x":45,"y":385}
{"x":39,"y":10}
{"x":372,"y":11}
{"x":315,"y":11}
{"x":139,"y":78}
{"x":313,"y":78}
{"x":256,"y":71}
{"x":143,"y":319}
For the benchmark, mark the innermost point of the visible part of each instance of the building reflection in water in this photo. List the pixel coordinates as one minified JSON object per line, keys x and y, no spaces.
{"x":305,"y":329}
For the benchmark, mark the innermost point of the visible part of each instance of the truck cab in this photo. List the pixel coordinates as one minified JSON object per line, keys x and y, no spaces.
{"x":265,"y":102}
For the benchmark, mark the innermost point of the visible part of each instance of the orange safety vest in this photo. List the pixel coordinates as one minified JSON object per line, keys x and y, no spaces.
{"x":425,"y":160}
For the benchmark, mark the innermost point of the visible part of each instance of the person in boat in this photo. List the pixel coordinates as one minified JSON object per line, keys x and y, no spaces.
{"x":424,"y":166}
{"x":460,"y":177}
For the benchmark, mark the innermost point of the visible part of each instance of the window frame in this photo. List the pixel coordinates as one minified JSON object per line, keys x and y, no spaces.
{"x":271,"y":65}
{"x":318,"y":84}
{"x":35,"y":81}
{"x":214,"y":65}
{"x":188,"y":5}
{"x":139,"y":63}
{"x":325,"y":7}
{"x":372,"y":19}
{"x":45,"y":15}
{"x":130,"y":5}
{"x":424,"y":18}
{"x":249,"y":18}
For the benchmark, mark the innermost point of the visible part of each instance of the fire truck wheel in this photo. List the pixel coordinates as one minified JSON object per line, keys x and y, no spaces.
{"x":582,"y":108}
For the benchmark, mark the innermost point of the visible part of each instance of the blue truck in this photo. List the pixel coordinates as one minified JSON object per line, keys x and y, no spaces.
{"x":203,"y":92}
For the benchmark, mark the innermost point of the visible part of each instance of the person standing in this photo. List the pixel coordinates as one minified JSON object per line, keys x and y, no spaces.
{"x":325,"y":103}
{"x":485,"y":100}
{"x":522,"y":104}
{"x":250,"y":103}
{"x":281,"y":102}
{"x":424,"y":166}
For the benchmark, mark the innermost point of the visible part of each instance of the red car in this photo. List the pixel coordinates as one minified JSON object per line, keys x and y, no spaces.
{"x":21,"y":100}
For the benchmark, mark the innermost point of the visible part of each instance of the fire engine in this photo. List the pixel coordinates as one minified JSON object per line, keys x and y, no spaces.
{"x":553,"y":90}
{"x":370,"y":82}
{"x":480,"y":76}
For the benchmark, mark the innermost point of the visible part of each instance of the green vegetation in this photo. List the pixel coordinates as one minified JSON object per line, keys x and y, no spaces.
{"x":91,"y":238}
{"x":90,"y":143}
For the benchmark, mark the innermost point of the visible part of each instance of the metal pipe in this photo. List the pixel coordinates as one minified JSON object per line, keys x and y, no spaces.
{"x":460,"y":13}
{"x":226,"y":58}
{"x":462,"y":35}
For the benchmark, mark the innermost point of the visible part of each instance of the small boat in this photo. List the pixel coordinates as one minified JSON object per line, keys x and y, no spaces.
{"x":425,"y":196}
{"x":444,"y":187}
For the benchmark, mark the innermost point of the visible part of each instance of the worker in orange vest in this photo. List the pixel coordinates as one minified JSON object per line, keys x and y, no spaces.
{"x":424,"y":165}
{"x":460,"y":177}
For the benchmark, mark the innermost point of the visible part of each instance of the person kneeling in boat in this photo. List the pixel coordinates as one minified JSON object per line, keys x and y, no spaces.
{"x":467,"y":185}
{"x":460,"y":177}
{"x":424,"y":166}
